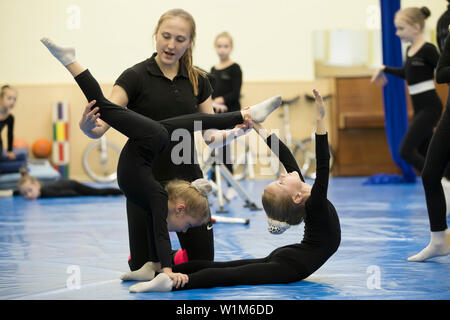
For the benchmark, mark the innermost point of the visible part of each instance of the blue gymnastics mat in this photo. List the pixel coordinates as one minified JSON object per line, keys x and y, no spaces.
{"x":44,"y":243}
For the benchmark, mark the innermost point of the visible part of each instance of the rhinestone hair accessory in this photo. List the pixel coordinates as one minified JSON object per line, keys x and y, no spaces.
{"x":277,"y":227}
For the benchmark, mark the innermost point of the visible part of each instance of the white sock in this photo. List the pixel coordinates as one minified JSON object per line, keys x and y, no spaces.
{"x":438,"y":246}
{"x":161,"y":283}
{"x":65,"y":55}
{"x":145,"y":273}
{"x":259,"y":112}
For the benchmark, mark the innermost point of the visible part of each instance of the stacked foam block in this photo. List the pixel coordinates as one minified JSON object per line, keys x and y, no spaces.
{"x":61,"y":138}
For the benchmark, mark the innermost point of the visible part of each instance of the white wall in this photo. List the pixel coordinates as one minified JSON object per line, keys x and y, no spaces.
{"x":273,"y":39}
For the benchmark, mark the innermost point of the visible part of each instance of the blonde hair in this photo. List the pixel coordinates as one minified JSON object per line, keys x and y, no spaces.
{"x":224,"y":35}
{"x":4,"y":88}
{"x":193,"y":194}
{"x":186,"y":59}
{"x":413,"y":15}
{"x":282,"y":208}
{"x":25,"y":177}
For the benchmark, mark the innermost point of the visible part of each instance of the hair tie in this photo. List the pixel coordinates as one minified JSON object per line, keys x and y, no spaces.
{"x":425,"y":11}
{"x":202,"y":185}
{"x":277,"y":227}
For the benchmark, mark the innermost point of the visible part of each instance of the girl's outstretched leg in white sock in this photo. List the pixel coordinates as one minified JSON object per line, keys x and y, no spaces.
{"x":259,"y":112}
{"x":65,"y":55}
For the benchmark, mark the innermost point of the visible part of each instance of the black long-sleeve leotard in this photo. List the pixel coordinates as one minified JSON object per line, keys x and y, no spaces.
{"x":322,"y":227}
{"x":289,"y":263}
{"x":73,"y":188}
{"x":228,"y":83}
{"x":419,"y":67}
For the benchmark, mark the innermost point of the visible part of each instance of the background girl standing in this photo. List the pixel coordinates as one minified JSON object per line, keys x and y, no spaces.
{"x":418,"y":71}
{"x":227,"y":90}
{"x":8,"y":98}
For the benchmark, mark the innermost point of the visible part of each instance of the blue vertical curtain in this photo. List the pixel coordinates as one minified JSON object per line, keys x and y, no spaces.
{"x":394,"y":96}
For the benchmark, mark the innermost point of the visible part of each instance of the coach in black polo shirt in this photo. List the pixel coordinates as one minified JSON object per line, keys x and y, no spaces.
{"x":164,"y":86}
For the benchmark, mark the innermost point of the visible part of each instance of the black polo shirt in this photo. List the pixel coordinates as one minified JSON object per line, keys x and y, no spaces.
{"x":153,"y":95}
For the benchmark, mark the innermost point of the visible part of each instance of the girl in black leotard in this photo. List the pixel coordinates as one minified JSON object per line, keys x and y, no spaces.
{"x":227,"y":76}
{"x":289,"y":263}
{"x":167,"y":211}
{"x":8,"y":98}
{"x":438,"y":157}
{"x":31,"y":188}
{"x":418,"y":71}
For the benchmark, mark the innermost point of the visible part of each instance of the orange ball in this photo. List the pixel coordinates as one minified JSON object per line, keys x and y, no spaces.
{"x":42,"y":148}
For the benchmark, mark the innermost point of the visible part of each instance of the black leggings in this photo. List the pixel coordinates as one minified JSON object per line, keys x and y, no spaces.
{"x":65,"y":187}
{"x":209,"y":274}
{"x":427,"y":111}
{"x":85,"y":190}
{"x":147,"y":138}
{"x":438,"y":158}
{"x":284,"y":265}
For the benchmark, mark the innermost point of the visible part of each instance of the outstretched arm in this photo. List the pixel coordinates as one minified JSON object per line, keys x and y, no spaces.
{"x":320,"y":114}
{"x":379,"y":77}
{"x":279,"y":149}
{"x":320,"y":187}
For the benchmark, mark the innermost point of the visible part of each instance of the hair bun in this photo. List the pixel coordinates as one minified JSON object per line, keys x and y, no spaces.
{"x":425,"y":11}
{"x":202,"y":185}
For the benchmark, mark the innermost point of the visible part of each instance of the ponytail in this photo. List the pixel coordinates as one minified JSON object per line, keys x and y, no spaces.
{"x":193,"y":72}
